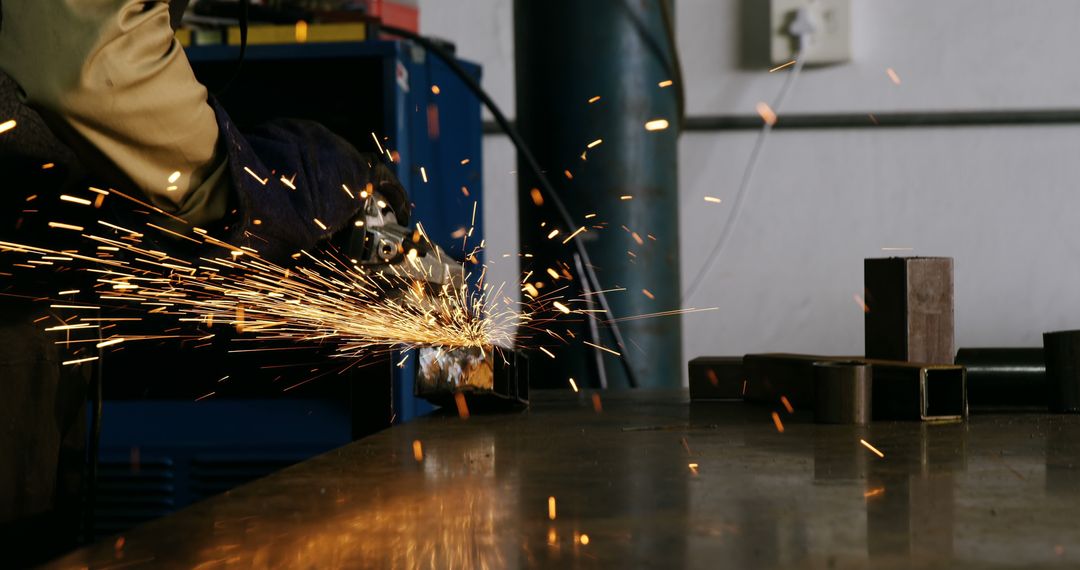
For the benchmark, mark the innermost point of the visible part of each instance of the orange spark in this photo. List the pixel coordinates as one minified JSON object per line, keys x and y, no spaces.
{"x":262,"y":181}
{"x":417,"y":450}
{"x":656,"y":125}
{"x":861,"y":303}
{"x":174,"y":177}
{"x":782,"y":66}
{"x":537,"y":197}
{"x":595,"y":143}
{"x":7,"y":125}
{"x":61,"y":226}
{"x":779,"y":424}
{"x":435,"y":90}
{"x":78,"y":361}
{"x":693,"y":468}
{"x":594,"y":99}
{"x":648,"y":294}
{"x":561,"y":307}
{"x":766,"y":112}
{"x":603,"y":348}
{"x":584,"y":539}
{"x":551,"y":508}
{"x":48,"y":165}
{"x":553,"y":233}
{"x":568,"y":175}
{"x":75,"y":200}
{"x":787,"y":404}
{"x":319,"y":223}
{"x":597,"y":405}
{"x":892,"y":75}
{"x":301,"y":32}
{"x":573,"y":235}
{"x":874,"y":492}
{"x":462,"y":406}
{"x":872,"y":448}
{"x":665,"y":83}
{"x":713,"y":200}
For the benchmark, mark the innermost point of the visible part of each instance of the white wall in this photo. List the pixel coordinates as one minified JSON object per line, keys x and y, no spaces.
{"x":1001,"y":200}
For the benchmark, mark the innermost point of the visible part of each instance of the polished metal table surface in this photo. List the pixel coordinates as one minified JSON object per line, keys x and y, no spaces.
{"x":995,"y":491}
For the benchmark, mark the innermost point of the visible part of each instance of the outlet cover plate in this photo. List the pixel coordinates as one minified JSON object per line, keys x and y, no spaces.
{"x":831,"y":40}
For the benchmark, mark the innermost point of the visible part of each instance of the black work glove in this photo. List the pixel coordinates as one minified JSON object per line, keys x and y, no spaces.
{"x":387,"y":185}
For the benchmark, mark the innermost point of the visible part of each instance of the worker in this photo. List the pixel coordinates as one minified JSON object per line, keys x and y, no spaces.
{"x":104,"y":95}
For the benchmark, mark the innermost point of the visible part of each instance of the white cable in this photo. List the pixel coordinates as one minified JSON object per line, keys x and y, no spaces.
{"x":801,"y":27}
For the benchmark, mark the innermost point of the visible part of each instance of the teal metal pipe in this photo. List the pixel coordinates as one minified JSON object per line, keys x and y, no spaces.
{"x":568,"y":53}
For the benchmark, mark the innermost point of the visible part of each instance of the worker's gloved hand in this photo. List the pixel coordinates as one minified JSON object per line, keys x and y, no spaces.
{"x":297,"y":185}
{"x":386,"y":184}
{"x":380,"y":240}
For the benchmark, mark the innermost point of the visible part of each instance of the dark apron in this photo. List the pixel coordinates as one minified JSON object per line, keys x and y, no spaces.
{"x":42,"y":404}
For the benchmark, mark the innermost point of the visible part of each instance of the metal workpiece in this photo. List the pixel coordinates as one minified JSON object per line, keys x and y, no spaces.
{"x":771,"y":376}
{"x":489,"y":378}
{"x":1062,"y":352}
{"x":842,"y":392}
{"x":901,"y":390}
{"x":909,"y":309}
{"x":911,"y":391}
{"x":716,"y":378}
{"x":1004,"y":379}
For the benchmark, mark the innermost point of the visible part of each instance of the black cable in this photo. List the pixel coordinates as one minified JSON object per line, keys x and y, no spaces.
{"x":675,"y":65}
{"x":242,"y":20}
{"x":534,"y":166}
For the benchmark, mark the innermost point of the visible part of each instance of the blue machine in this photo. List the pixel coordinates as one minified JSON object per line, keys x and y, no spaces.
{"x":160,"y":454}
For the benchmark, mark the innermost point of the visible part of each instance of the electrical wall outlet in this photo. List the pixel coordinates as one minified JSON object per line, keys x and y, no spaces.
{"x":830,"y":41}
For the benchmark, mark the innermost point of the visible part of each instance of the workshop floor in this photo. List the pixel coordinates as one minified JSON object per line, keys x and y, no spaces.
{"x":999,"y":490}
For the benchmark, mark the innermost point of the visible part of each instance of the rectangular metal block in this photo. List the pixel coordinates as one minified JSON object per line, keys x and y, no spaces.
{"x":488,"y":378}
{"x":716,"y":378}
{"x":909,"y":391}
{"x":773,"y":375}
{"x":909,"y":309}
{"x":843,"y":392}
{"x":900,"y":390}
